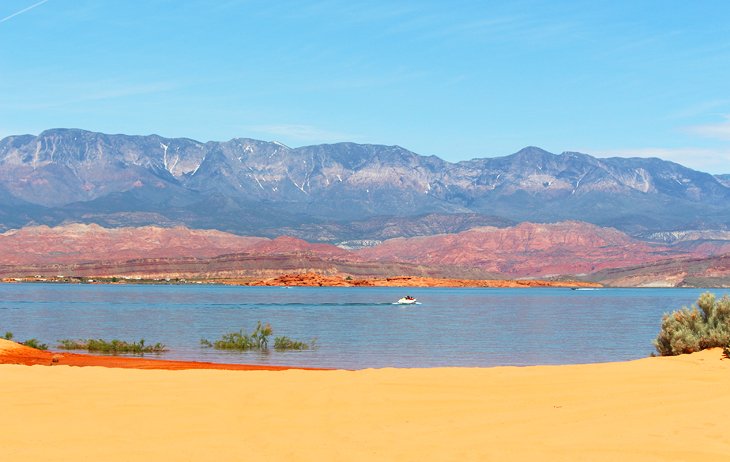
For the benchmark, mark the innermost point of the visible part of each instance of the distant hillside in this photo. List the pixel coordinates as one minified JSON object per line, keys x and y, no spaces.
{"x":368,"y":232}
{"x":687,"y":272}
{"x":83,"y":243}
{"x":337,"y":192}
{"x":525,"y":250}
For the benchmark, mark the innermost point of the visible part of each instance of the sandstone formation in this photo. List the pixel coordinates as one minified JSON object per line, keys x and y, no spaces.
{"x":685,"y":272}
{"x":527,"y":249}
{"x":79,"y":243}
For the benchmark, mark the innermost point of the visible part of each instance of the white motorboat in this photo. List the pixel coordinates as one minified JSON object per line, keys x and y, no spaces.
{"x":407,"y":300}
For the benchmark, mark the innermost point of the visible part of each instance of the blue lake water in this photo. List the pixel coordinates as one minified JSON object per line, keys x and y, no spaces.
{"x":355,"y":327}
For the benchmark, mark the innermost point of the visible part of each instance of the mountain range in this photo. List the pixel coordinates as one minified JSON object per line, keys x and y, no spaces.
{"x":338,"y":192}
{"x":76,"y":202}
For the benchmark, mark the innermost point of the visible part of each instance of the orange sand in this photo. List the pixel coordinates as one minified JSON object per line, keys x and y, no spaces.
{"x":654,"y":409}
{"x":14,"y":353}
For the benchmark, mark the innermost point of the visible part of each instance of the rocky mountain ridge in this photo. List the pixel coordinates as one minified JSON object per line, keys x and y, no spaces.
{"x":688,"y":235}
{"x":724,"y":179}
{"x":330,"y":192}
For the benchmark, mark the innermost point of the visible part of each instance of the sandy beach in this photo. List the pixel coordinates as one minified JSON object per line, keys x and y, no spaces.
{"x":653,"y":409}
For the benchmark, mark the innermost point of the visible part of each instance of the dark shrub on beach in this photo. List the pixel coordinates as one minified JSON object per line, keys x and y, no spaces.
{"x":35,"y":343}
{"x":706,"y":325}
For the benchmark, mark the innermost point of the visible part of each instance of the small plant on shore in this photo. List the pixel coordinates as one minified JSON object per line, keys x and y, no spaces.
{"x":687,"y":330}
{"x":258,"y":340}
{"x":112,"y":347}
{"x":35,"y":343}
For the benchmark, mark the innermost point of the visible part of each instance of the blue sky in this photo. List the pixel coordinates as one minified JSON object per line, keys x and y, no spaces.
{"x":454,"y":79}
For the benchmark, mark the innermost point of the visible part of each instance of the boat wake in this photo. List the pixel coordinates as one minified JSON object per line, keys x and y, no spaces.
{"x":294,"y":304}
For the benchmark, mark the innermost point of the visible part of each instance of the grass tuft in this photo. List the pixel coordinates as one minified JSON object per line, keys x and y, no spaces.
{"x":286,"y":343}
{"x":258,"y":340}
{"x":112,"y":347}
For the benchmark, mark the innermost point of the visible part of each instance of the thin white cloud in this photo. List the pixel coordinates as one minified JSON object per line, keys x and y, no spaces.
{"x":302,"y":132}
{"x":64,"y":93}
{"x":714,"y":161}
{"x":720,"y":130}
{"x":17,"y":13}
{"x":704,"y":108}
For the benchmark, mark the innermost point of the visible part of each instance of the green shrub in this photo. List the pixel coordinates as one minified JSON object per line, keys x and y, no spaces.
{"x":257,"y":340}
{"x":286,"y":343}
{"x":231,"y":341}
{"x":261,"y":335}
{"x":706,"y":325}
{"x":35,"y":343}
{"x":113,"y":347}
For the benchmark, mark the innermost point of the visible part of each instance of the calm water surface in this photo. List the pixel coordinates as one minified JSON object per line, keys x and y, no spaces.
{"x":355,"y":327}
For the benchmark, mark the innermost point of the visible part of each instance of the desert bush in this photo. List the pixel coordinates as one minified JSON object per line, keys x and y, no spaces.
{"x":231,"y":341}
{"x":261,"y":334}
{"x":257,"y":340}
{"x":687,"y":330}
{"x":113,"y":347}
{"x":35,"y":343}
{"x":286,"y":343}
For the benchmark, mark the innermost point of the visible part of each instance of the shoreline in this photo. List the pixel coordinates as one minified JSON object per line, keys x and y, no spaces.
{"x":311,"y":279}
{"x":315,"y":279}
{"x":636,"y":411}
{"x":18,"y":354}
